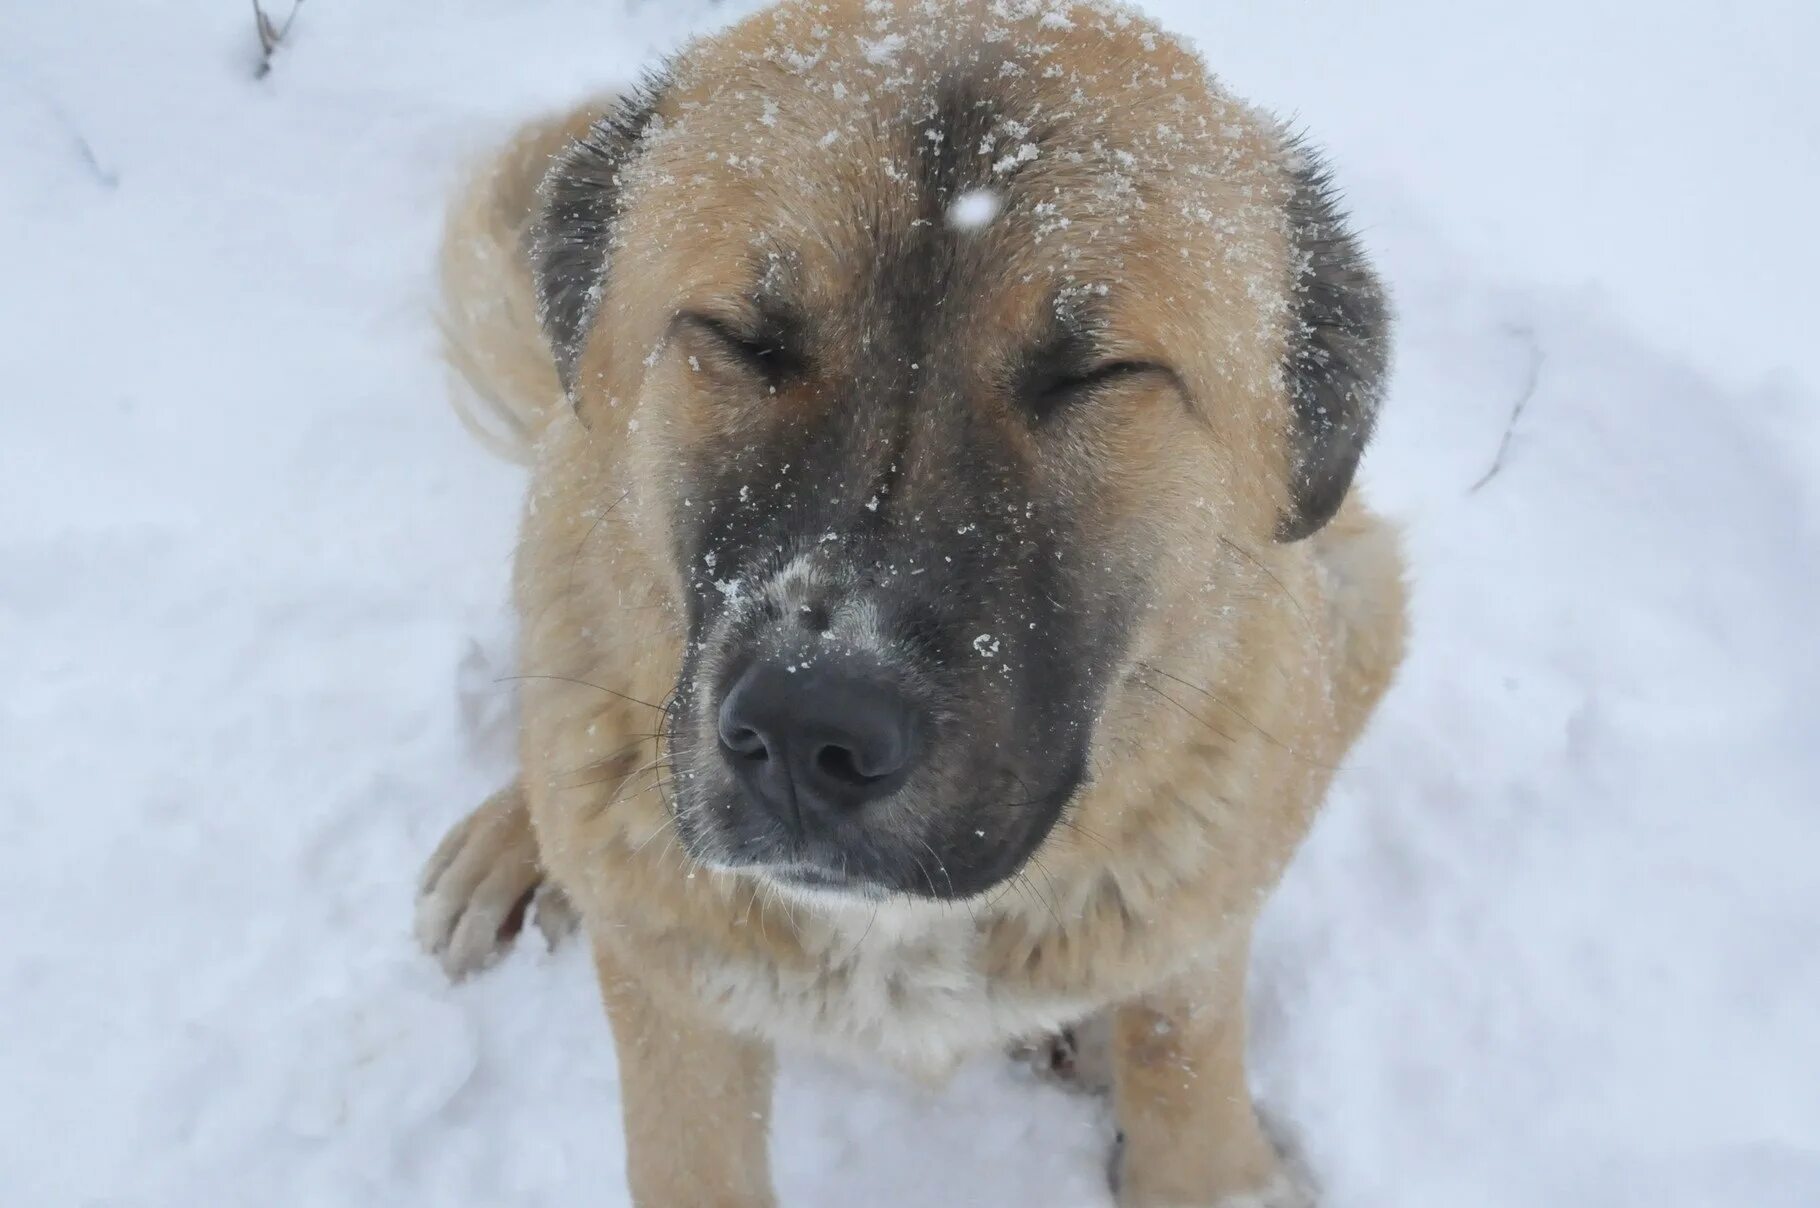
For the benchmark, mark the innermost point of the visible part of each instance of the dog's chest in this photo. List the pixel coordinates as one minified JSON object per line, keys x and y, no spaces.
{"x":908,"y":990}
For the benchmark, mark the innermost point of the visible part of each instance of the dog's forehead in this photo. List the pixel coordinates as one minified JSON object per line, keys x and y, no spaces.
{"x":1054,"y":150}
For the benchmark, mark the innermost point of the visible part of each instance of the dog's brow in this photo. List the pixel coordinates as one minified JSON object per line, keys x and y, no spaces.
{"x":775,"y":315}
{"x":1071,"y":337}
{"x":1076,"y":343}
{"x":759,"y":318}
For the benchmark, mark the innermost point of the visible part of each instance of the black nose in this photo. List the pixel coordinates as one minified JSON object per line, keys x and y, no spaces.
{"x":818,"y":742}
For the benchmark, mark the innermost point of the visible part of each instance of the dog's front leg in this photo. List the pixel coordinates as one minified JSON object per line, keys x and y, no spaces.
{"x":696,"y":1099}
{"x":1191,"y":1136}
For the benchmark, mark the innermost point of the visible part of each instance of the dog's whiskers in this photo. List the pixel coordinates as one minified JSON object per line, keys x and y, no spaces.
{"x":1217,"y":699}
{"x":658,"y":830}
{"x":569,"y":679}
{"x":589,"y":536}
{"x":1272,"y":576}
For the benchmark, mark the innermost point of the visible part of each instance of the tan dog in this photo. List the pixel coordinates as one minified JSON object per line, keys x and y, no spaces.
{"x":942,"y":602}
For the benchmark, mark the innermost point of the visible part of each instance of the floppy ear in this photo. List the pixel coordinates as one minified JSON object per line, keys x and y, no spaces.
{"x":1338,"y":350}
{"x":573,"y":234}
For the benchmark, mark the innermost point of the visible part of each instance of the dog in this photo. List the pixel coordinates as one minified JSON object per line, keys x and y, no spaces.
{"x":943,"y":595}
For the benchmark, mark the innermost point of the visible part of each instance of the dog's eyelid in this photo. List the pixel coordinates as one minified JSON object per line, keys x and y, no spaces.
{"x":1067,"y":380}
{"x":765,"y":350}
{"x":1121,"y":368}
{"x":1108,"y":371}
{"x":731,"y":330}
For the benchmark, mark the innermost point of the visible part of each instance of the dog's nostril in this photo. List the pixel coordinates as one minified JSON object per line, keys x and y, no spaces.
{"x":746,"y":742}
{"x":840,"y":763}
{"x":822,"y":740}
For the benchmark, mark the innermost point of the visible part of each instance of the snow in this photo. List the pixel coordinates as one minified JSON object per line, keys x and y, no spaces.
{"x":974,"y":209}
{"x":1555,"y":941}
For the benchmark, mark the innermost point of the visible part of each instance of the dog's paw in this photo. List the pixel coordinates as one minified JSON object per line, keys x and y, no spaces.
{"x":555,"y":915}
{"x":1077,"y":1057}
{"x":479,"y":886}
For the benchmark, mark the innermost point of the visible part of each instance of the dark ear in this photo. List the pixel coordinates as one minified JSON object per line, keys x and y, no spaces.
{"x":573,"y":234}
{"x":1338,"y":349}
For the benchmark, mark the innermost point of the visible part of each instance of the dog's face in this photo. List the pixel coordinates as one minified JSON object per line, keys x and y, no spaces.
{"x":945,"y":361}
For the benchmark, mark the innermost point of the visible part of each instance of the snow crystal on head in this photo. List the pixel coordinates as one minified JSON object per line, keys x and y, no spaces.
{"x":974,"y":209}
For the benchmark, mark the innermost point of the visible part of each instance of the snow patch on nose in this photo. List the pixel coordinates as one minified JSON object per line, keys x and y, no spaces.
{"x":807,"y":584}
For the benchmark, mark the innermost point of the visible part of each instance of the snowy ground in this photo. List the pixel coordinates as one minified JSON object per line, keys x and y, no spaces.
{"x":1556,"y":942}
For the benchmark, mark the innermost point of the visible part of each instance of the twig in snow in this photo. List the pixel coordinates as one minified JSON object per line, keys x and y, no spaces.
{"x":1516,"y":411}
{"x":104,"y":176}
{"x":271,"y":36}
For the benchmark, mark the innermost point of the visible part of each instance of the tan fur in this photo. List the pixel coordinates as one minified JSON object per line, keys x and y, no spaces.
{"x":1245,"y":687}
{"x":499,"y":362}
{"x":696,"y":1097}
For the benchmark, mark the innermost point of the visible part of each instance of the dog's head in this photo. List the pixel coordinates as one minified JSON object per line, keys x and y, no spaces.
{"x":950,"y":348}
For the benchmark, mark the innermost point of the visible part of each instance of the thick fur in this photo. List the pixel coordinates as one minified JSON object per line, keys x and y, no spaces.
{"x":504,"y":381}
{"x":1248,"y":658}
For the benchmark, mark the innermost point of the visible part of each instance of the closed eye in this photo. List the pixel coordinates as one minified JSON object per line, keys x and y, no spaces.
{"x":766,"y":353}
{"x":1049,"y":390}
{"x":1100,"y":375}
